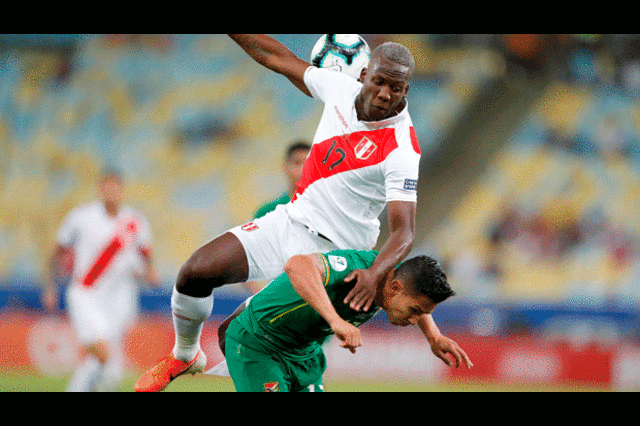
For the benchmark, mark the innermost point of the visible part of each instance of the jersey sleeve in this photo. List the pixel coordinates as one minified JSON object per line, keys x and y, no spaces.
{"x":401,"y":172}
{"x":69,"y":229}
{"x":327,"y":85}
{"x":340,"y":263}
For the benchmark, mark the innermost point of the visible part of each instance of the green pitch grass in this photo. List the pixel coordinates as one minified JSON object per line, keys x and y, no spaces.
{"x":18,"y":381}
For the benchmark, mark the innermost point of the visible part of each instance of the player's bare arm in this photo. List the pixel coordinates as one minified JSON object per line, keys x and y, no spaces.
{"x":275,"y":56}
{"x":150,"y":276}
{"x":307,"y":274}
{"x":50,"y":291}
{"x":442,"y":345}
{"x":402,"y":219}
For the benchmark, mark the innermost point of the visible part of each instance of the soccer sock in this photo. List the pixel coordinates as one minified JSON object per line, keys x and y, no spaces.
{"x":85,"y":375}
{"x":112,"y":371}
{"x":189,"y":314}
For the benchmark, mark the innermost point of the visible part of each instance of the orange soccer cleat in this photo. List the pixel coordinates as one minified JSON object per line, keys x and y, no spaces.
{"x":159,"y":377}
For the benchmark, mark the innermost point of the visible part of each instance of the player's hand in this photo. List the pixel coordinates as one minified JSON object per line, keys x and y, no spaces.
{"x":49,"y":300}
{"x":442,"y":345}
{"x":364,"y":291}
{"x":348,"y":334}
{"x":152,"y":277}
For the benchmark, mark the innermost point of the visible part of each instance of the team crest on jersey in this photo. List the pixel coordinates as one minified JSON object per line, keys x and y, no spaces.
{"x":338,"y":263}
{"x":364,"y":148}
{"x":249,"y":227}
{"x":272,"y":387}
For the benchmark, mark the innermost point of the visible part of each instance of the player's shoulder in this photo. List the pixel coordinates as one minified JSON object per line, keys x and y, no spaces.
{"x":405,"y":135}
{"x":331,"y":75}
{"x":133,"y":212}
{"x":342,"y":260}
{"x":85,"y":209}
{"x":323,"y":82}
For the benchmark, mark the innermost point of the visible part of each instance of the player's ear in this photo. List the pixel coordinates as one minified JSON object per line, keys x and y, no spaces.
{"x":396,"y":286}
{"x":363,"y":74}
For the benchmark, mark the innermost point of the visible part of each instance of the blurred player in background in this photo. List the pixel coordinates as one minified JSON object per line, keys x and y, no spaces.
{"x":275,"y":345}
{"x":365,"y":155}
{"x":111,"y":248}
{"x":296,"y":153}
{"x":294,"y":158}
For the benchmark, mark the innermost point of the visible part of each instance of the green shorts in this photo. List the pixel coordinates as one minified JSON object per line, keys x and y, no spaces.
{"x":254,"y":368}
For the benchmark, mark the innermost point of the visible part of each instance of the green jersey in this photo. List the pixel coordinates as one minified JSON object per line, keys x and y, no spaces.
{"x":266,"y":208}
{"x":281,"y":320}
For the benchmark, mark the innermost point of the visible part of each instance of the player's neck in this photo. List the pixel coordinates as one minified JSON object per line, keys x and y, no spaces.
{"x":111,"y":209}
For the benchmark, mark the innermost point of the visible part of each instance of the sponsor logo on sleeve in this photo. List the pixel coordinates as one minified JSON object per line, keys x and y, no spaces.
{"x":338,"y":263}
{"x":411,"y":184}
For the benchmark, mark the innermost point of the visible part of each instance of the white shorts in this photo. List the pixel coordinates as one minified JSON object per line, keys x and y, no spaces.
{"x":272,"y":239}
{"x":100,"y":316}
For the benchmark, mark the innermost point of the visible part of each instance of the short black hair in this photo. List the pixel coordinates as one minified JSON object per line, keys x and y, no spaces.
{"x":396,"y":52}
{"x":424,"y":275}
{"x":295,"y":146}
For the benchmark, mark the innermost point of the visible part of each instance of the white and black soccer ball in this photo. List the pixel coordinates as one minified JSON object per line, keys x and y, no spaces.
{"x":346,"y":53}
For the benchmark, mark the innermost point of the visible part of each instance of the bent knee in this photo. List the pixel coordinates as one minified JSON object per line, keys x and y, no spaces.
{"x":199,"y":275}
{"x":99,"y":349}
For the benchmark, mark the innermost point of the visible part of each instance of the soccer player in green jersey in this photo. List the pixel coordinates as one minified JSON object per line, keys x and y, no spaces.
{"x":275,"y":343}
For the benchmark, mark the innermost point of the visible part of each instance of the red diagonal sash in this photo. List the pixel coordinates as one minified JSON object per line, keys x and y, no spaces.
{"x":123,"y":236}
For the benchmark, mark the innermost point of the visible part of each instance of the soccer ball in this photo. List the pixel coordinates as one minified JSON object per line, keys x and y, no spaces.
{"x":347,"y":53}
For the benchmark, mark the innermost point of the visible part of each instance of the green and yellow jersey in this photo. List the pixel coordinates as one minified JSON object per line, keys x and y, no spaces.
{"x":281,"y":320}
{"x":270,"y":206}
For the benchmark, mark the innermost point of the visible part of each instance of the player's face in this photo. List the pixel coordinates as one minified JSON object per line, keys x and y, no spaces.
{"x":385,"y":85}
{"x":111,"y":191}
{"x":403,"y":308}
{"x":293,"y":165}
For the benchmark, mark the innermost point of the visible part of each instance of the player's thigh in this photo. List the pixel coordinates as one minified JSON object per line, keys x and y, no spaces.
{"x":271,"y":240}
{"x":220,"y":261}
{"x":254,"y":371}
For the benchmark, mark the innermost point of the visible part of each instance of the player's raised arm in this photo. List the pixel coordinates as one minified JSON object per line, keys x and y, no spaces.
{"x":274,"y":55}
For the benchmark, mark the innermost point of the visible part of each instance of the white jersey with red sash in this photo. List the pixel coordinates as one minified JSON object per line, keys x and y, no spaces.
{"x":354,"y":167}
{"x":108,"y":253}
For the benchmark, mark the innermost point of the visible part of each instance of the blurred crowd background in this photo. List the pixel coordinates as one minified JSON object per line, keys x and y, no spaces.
{"x":530,"y":177}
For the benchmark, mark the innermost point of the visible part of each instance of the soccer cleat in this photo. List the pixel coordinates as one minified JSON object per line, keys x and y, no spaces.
{"x":159,"y":377}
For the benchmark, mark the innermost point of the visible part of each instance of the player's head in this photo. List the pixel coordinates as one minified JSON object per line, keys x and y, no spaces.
{"x":111,"y":188}
{"x":295,"y":156}
{"x":414,"y":288}
{"x":385,"y":82}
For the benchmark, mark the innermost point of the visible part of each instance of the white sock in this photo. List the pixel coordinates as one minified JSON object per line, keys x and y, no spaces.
{"x":85,"y":376}
{"x":189,"y":314}
{"x":112,"y":371}
{"x":220,"y":369}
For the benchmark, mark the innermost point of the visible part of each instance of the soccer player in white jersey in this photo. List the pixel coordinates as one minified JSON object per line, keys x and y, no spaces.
{"x":111,"y":247}
{"x":364,"y":156}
